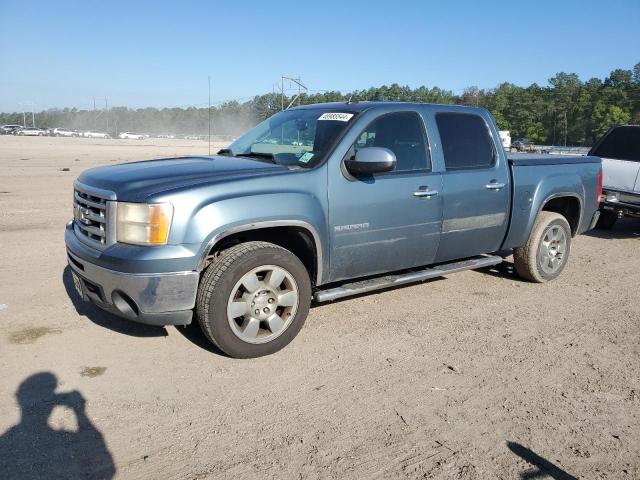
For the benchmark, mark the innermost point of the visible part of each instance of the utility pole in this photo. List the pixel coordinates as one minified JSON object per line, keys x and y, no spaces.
{"x":565,"y":128}
{"x":209,"y":84}
{"x":298,"y":82}
{"x":282,"y":92}
{"x":554,"y":126}
{"x":106,"y":109}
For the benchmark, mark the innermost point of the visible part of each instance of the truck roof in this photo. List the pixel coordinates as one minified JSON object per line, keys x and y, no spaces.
{"x":359,"y":106}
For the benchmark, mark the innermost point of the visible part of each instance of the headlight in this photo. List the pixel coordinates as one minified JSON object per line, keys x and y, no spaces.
{"x":143,"y":224}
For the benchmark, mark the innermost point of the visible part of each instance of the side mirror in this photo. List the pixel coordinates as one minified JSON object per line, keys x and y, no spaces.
{"x":371,"y":160}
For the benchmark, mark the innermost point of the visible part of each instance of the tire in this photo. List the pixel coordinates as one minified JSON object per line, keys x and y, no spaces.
{"x":546,"y":253}
{"x":223,"y":286}
{"x":607,"y":220}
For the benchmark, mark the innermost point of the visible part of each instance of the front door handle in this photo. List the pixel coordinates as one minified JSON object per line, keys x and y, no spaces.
{"x":424,"y":192}
{"x":494,"y":186}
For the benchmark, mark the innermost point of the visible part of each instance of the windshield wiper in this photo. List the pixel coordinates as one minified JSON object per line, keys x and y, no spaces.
{"x":259,"y":155}
{"x":226,"y":152}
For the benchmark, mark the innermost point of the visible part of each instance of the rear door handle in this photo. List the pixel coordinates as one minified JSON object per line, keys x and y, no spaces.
{"x":424,"y":192}
{"x":494,"y":186}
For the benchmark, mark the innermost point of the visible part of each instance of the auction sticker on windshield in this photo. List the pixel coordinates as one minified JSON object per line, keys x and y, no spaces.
{"x":340,"y":117}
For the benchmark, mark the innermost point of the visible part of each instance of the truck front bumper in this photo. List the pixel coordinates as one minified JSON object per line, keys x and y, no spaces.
{"x":150,"y":298}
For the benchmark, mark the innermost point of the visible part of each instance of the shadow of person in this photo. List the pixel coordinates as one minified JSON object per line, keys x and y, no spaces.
{"x":32,"y":449}
{"x":105,"y":319}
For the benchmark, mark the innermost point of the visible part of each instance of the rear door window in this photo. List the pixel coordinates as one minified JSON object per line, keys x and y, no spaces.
{"x":466,"y":143}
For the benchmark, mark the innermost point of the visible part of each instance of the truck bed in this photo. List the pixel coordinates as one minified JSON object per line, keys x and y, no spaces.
{"x":531,"y":159}
{"x":536,"y":178}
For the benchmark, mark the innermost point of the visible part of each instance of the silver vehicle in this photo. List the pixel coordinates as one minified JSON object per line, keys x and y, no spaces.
{"x":30,"y":132}
{"x":65,"y":132}
{"x":9,"y":129}
{"x":132,"y":136}
{"x":619,"y":149}
{"x":95,"y":134}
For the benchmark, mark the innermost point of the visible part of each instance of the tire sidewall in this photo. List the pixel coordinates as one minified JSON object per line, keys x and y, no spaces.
{"x":216,"y":305}
{"x":561,"y":222}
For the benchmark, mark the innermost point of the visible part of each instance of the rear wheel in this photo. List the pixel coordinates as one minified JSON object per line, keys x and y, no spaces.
{"x":607,"y":220}
{"x":547,"y":251}
{"x":253,"y":299}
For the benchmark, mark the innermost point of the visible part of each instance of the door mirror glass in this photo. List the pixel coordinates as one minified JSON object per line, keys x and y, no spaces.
{"x":370,"y":160}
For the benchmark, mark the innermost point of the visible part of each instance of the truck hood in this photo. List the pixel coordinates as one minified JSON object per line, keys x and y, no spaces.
{"x":137,"y":180}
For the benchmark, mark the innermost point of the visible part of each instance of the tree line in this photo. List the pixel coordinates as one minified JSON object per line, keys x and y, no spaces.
{"x":567,"y":111}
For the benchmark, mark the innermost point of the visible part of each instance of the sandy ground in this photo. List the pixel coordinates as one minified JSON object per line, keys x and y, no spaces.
{"x":478,"y":375}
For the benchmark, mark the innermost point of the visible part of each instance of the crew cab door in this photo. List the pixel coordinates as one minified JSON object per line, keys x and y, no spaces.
{"x":476,"y":190}
{"x":386,"y":222}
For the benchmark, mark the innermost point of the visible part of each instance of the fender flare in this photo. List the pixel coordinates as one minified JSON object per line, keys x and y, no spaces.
{"x":563,"y":195}
{"x":268,"y":224}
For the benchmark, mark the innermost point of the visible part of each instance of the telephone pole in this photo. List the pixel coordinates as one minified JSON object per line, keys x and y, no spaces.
{"x":209,"y":84}
{"x":298,"y":82}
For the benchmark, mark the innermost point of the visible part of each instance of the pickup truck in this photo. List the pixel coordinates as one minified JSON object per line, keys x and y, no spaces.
{"x":320,"y":202}
{"x":619,"y":149}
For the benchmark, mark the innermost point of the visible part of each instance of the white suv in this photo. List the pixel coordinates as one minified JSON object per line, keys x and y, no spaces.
{"x":64,"y":132}
{"x":133,"y":136}
{"x":94,"y":134}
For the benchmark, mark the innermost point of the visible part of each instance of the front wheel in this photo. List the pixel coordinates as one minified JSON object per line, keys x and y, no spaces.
{"x":547,"y":251}
{"x":253,"y":299}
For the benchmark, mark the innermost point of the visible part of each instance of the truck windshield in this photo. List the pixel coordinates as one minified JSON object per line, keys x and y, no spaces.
{"x":299,"y":138}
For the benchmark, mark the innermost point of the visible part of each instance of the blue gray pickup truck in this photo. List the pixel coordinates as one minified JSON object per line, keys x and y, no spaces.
{"x":320,"y":202}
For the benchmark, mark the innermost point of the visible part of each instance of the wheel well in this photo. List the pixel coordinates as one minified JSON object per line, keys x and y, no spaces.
{"x":568,"y":207}
{"x":297,"y":240}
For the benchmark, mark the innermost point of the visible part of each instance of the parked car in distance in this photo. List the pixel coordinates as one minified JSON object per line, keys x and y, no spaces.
{"x":65,"y":132}
{"x":350,"y":198}
{"x":95,"y":134}
{"x":619,"y":150}
{"x":30,"y":132}
{"x":522,"y":145}
{"x":505,"y":138}
{"x":132,"y":136}
{"x":9,"y":129}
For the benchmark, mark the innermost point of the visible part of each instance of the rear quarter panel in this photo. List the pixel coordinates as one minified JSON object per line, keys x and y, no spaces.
{"x":535,"y":185}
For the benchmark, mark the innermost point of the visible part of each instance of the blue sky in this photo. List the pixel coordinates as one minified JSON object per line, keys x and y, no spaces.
{"x":144,"y":53}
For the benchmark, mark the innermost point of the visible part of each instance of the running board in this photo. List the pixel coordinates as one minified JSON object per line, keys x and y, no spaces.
{"x":377,"y":283}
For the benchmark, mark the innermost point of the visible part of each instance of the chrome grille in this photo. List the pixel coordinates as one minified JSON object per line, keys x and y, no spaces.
{"x":91,"y":212}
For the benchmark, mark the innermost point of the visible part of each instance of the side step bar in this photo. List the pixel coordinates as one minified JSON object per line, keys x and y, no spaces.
{"x":377,"y":283}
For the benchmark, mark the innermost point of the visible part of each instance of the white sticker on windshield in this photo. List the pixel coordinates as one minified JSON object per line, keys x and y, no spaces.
{"x":339,"y":117}
{"x":305,"y":157}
